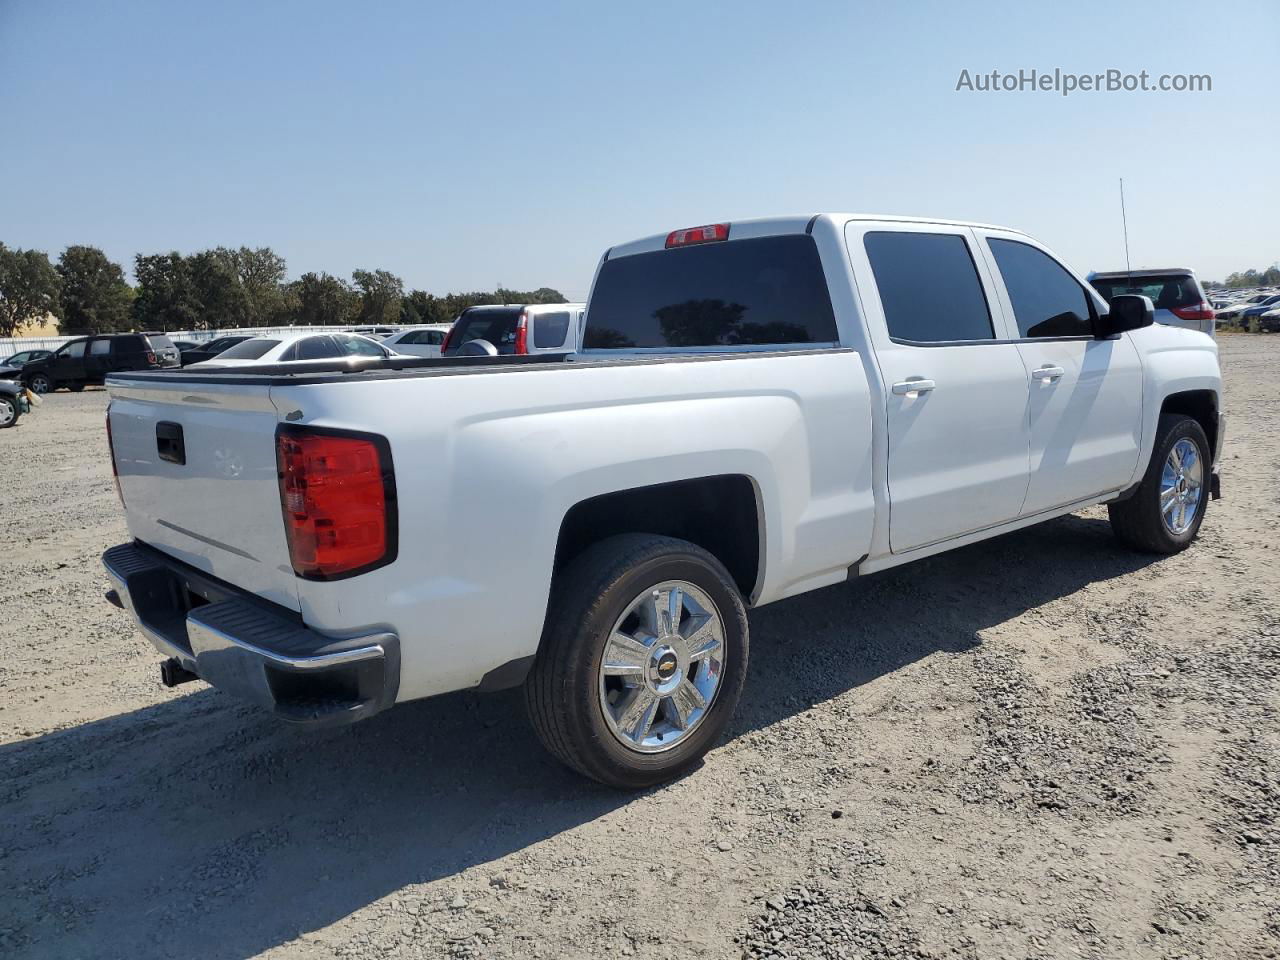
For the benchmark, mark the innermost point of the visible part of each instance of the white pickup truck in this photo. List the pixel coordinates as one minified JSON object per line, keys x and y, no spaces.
{"x":758,"y":409}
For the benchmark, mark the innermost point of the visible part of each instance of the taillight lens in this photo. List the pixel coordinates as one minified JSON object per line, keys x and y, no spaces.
{"x":151,"y":358}
{"x":711,"y":233}
{"x":522,"y":333}
{"x":1201,"y":311}
{"x":111,"y":450}
{"x":447,"y":337}
{"x":337,"y":492}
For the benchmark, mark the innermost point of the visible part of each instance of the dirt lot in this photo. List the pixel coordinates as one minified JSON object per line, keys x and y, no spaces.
{"x":1041,"y":746}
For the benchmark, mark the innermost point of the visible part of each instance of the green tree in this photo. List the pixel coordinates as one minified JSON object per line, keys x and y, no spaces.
{"x":261,"y":273}
{"x":29,"y":288}
{"x":218,"y":297}
{"x":95,"y":297}
{"x":167,"y":298}
{"x":324,"y":300}
{"x":380,"y":294}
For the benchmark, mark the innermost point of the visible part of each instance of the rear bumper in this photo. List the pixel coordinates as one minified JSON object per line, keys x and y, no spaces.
{"x":250,"y":648}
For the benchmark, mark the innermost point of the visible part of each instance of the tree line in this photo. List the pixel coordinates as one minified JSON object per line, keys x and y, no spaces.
{"x":213,"y":289}
{"x":1269,"y":277}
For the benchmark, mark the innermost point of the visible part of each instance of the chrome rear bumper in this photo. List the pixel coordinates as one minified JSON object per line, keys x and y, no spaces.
{"x":253,"y":649}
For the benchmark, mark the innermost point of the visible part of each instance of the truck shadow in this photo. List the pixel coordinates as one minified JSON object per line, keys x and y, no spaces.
{"x":198,"y":827}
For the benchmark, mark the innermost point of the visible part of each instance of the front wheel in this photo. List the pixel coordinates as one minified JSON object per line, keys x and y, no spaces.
{"x":40,"y":384}
{"x":1164,"y":514}
{"x":9,"y":412}
{"x":642,"y":661}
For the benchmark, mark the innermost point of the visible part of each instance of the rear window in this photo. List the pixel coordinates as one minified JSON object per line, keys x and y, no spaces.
{"x":496,"y":326}
{"x":1166,"y":290}
{"x":766,"y":291}
{"x":159,"y":341}
{"x":251,"y":349}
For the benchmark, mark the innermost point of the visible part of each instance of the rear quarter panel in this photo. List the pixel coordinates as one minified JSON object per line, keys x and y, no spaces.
{"x":488,"y":465}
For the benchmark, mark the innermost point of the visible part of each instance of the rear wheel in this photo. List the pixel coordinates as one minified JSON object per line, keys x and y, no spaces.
{"x":8,"y":411}
{"x":642,"y":661}
{"x":40,"y":383}
{"x":1164,"y":514}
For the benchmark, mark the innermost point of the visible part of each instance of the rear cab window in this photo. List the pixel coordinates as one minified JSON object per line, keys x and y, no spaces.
{"x":767,"y":290}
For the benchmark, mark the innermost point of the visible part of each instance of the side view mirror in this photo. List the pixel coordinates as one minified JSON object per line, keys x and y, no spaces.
{"x":1128,"y":312}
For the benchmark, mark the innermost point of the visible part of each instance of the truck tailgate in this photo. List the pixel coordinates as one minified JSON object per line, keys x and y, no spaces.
{"x":197,"y":469}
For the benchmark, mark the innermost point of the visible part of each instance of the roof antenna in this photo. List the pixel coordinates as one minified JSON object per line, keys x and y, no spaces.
{"x":1124,"y":220}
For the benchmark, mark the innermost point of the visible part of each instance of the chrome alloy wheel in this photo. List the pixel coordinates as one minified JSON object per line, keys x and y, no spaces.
{"x":40,"y":384}
{"x":1181,"y":487}
{"x":662,"y":666}
{"x":8,"y":411}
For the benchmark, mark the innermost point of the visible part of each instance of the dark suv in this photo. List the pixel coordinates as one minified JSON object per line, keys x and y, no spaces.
{"x":90,"y":359}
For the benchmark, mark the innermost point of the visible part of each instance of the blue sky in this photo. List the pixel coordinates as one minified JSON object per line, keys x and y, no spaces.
{"x":465,"y":145}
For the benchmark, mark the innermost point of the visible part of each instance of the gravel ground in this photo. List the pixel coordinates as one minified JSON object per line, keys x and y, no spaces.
{"x":1041,"y":746}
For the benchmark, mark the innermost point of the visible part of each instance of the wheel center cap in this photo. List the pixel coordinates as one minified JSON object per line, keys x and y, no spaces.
{"x":666,"y":665}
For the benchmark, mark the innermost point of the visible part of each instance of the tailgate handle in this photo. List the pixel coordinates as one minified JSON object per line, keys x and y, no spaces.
{"x":169,"y":443}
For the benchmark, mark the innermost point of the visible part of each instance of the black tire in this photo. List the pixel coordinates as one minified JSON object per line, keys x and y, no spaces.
{"x":562,"y":691}
{"x":1137,"y":521}
{"x":41,"y":383}
{"x":9,"y":412}
{"x":76,"y":387}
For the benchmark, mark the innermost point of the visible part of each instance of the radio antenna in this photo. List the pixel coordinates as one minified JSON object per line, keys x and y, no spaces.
{"x":1125,"y":222}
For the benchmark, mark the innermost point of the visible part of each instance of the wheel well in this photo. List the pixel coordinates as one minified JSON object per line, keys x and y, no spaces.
{"x":1199,"y":405}
{"x":719,"y":514}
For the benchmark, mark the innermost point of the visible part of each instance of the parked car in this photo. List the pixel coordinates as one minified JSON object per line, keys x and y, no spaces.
{"x":519,"y":329}
{"x":1269,"y":322}
{"x":424,"y":341}
{"x":211,"y":348}
{"x":759,"y":409}
{"x":1233,"y":313}
{"x":88,"y":360}
{"x":295,"y":347}
{"x":1179,"y":299}
{"x":1258,"y":309}
{"x":13,"y":401}
{"x":22,"y":357}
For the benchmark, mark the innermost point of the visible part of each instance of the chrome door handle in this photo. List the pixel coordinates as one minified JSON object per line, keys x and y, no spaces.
{"x":906,"y":388}
{"x":1048,"y":373}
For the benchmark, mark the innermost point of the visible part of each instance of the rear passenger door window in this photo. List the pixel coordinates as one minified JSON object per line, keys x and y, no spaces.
{"x":1047,"y":301}
{"x":929,"y":287}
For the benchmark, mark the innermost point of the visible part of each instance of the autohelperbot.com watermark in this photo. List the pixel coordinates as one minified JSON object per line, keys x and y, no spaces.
{"x":1065,"y":83}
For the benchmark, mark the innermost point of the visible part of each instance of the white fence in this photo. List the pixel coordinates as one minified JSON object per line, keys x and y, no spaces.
{"x":12,"y":345}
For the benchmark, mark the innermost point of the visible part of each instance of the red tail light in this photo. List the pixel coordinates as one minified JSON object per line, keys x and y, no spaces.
{"x":1201,"y":311}
{"x":338,"y":495}
{"x":522,"y":333}
{"x":711,"y":233}
{"x":151,"y":358}
{"x":111,"y":449}
{"x":447,"y":337}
